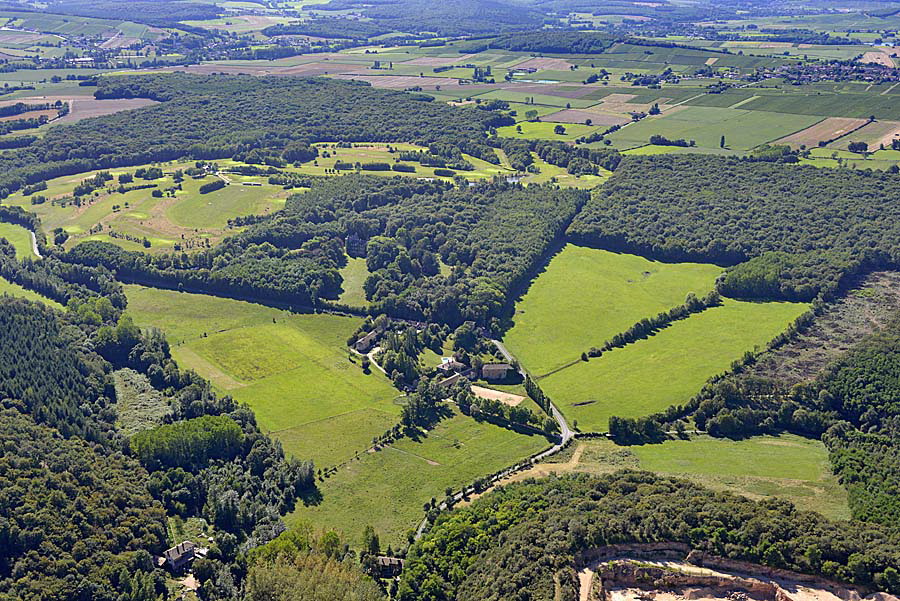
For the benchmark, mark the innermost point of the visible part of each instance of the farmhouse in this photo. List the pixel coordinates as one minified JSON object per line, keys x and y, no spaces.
{"x":495,"y":371}
{"x":389,"y":567}
{"x":179,"y":556}
{"x":450,"y":366}
{"x":365,"y":343}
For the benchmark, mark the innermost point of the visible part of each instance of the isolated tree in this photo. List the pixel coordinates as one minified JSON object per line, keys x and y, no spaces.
{"x":722,"y":142}
{"x":559,"y":130}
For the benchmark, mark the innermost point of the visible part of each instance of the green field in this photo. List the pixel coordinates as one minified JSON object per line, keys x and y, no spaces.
{"x":387,"y":489}
{"x":540,"y":130}
{"x":786,"y":466}
{"x":585,"y":296}
{"x":293,"y":370}
{"x":706,"y":125}
{"x":13,"y":289}
{"x":667,"y":368}
{"x":20,"y":238}
{"x":354,"y":273}
{"x":188,"y":218}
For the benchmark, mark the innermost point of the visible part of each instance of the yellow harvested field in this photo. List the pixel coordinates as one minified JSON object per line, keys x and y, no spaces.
{"x":827,"y":129}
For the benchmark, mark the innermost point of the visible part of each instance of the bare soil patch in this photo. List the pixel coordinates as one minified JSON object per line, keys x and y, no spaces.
{"x":496,"y":395}
{"x":827,"y":129}
{"x":878,"y":58}
{"x":877,"y":133}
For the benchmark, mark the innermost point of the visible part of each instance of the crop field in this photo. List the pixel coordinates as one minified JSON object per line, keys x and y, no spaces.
{"x":586,"y":295}
{"x":831,"y":128}
{"x":859,"y":106}
{"x":293,"y":370}
{"x":875,"y":134}
{"x":667,"y":368}
{"x":20,"y":238}
{"x":188,"y":218}
{"x":742,"y":129}
{"x":387,"y":489}
{"x":786,"y":466}
{"x":13,"y":289}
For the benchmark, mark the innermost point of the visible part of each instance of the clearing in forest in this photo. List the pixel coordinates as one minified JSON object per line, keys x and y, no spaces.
{"x":13,"y":289}
{"x":787,"y":466}
{"x":293,"y":370}
{"x":387,"y":488}
{"x":669,"y":367}
{"x":20,"y":238}
{"x":184,"y":217}
{"x":585,"y":296}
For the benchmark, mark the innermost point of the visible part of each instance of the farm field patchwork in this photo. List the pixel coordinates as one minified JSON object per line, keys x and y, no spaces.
{"x":742,"y":129}
{"x":293,"y":370}
{"x":387,"y":489}
{"x":586,"y":295}
{"x":669,"y":367}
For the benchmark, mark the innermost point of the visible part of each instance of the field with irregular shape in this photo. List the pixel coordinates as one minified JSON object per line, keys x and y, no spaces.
{"x":20,"y":238}
{"x":387,"y":489}
{"x":13,"y":289}
{"x":586,"y":295}
{"x":667,"y":368}
{"x":187,"y":218}
{"x":293,"y":370}
{"x":787,"y":466}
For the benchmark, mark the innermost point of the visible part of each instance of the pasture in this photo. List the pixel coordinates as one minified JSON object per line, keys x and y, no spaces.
{"x":184,"y":218}
{"x":387,"y":489}
{"x":585,"y":296}
{"x":13,"y":289}
{"x":669,"y":367}
{"x":786,"y":466}
{"x":20,"y":238}
{"x":293,"y":370}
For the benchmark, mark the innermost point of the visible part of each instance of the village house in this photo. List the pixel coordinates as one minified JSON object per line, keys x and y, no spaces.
{"x":179,"y":556}
{"x":451,"y":366}
{"x":495,"y":371}
{"x":389,"y":567}
{"x":364,"y":344}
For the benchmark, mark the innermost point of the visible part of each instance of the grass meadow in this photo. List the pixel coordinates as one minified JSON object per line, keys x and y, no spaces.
{"x":387,"y":489}
{"x":13,"y":289}
{"x":586,"y":295}
{"x":785,"y":466}
{"x":163,"y":221}
{"x":667,"y":368}
{"x":354,"y":273}
{"x":293,"y":370}
{"x":20,"y":238}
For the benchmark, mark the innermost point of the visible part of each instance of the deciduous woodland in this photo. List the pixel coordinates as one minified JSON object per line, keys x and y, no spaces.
{"x":428,"y":301}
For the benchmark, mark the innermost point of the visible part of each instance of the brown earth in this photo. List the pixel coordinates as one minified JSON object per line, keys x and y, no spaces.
{"x":827,"y":129}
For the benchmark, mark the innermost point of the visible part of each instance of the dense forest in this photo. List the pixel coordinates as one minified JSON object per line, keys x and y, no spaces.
{"x":518,"y":540}
{"x":823,"y":223}
{"x":453,"y":18}
{"x":562,"y":42}
{"x":491,"y":236}
{"x":271,"y":114}
{"x":59,"y":401}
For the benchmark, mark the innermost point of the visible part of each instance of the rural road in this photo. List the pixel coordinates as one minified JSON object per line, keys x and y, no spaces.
{"x":566,"y":434}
